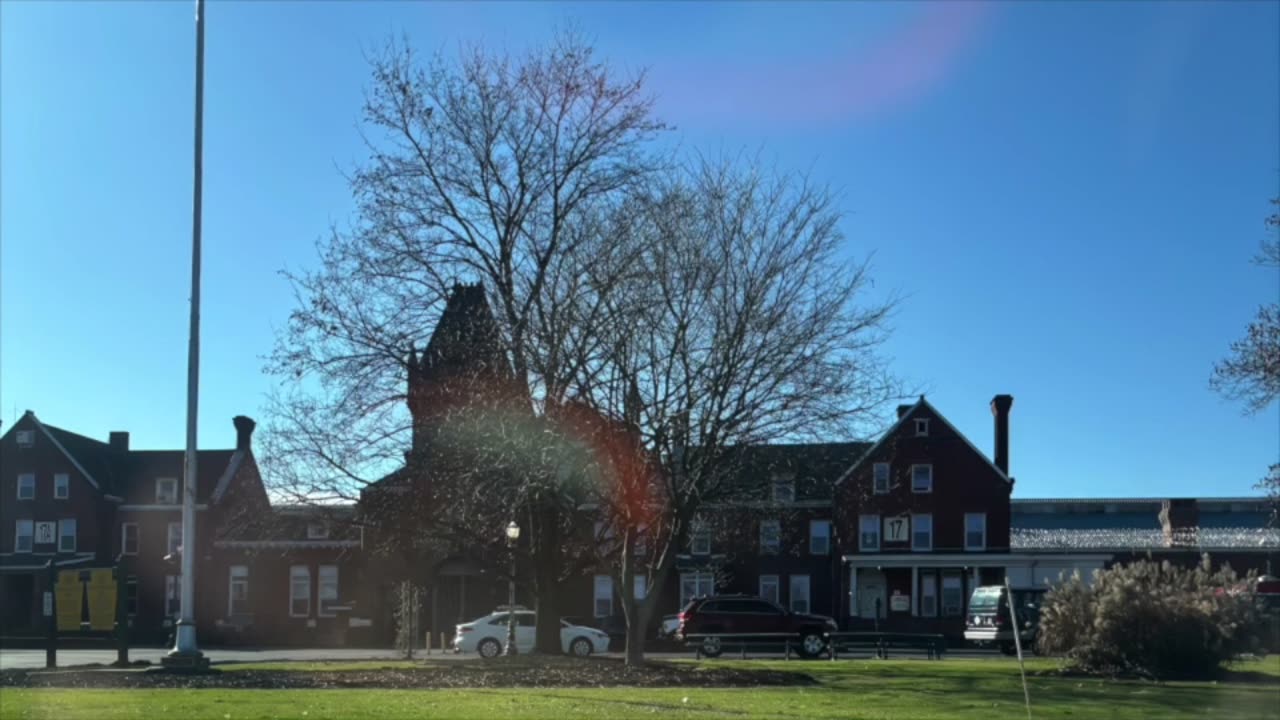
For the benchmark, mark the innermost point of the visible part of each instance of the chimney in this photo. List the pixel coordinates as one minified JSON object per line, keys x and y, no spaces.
{"x":118,"y":441}
{"x":903,"y":410}
{"x":1000,"y":406}
{"x":244,"y":431}
{"x":1180,"y":520}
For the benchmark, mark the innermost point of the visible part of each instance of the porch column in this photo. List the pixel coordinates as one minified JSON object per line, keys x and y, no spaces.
{"x":853,"y":590}
{"x":915,"y":590}
{"x":974,"y":582}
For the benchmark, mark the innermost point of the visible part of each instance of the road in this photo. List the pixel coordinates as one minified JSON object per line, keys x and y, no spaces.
{"x":27,"y":659}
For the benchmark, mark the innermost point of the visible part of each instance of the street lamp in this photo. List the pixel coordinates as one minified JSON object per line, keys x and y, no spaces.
{"x":513,"y":534}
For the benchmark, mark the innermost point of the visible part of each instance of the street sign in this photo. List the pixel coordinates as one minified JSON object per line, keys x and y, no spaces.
{"x":45,"y":533}
{"x":48,"y":603}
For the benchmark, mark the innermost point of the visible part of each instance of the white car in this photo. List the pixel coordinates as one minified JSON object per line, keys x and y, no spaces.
{"x":488,"y":636}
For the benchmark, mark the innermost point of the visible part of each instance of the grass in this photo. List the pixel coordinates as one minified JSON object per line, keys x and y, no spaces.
{"x":906,"y":689}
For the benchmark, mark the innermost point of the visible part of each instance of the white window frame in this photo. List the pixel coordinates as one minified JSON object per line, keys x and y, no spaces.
{"x":27,"y":480}
{"x":767,"y":547}
{"x":825,"y":536}
{"x":62,"y":525}
{"x":30,"y":535}
{"x":865,"y":521}
{"x":172,"y":595}
{"x":967,"y":545}
{"x":124,"y":538}
{"x":942,"y":594}
{"x":783,"y":481}
{"x":61,"y":486}
{"x":26,"y":438}
{"x":601,"y":591}
{"x":327,"y":590}
{"x":922,"y":427}
{"x":876,"y":487}
{"x":917,"y":520}
{"x":172,"y":542}
{"x":700,"y":540}
{"x":698,"y":580}
{"x":771,"y":581}
{"x":916,"y":489}
{"x":799,"y":582}
{"x":639,"y":586}
{"x":929,"y":592}
{"x":317,"y":531}
{"x":237,"y":575}
{"x":163,"y":482}
{"x":299,"y":574}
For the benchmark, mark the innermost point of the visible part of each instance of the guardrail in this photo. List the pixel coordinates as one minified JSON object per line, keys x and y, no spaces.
{"x":882,"y":642}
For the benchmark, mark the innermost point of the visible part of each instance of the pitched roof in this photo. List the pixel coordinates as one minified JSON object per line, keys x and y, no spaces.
{"x":815,"y":466}
{"x":465,"y":337}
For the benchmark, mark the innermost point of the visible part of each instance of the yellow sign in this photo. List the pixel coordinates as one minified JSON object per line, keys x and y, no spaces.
{"x":102,"y":600}
{"x":70,"y":599}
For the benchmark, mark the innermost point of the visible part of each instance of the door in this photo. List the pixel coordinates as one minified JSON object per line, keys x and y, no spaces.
{"x":525,"y":631}
{"x":871,"y":595}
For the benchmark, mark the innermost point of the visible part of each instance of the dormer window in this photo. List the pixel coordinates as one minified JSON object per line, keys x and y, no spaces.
{"x":317,"y":531}
{"x":166,"y":491}
{"x":922,"y":427}
{"x":26,"y":438}
{"x":784,"y":489}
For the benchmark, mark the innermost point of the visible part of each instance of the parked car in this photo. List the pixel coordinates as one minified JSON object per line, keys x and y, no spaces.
{"x":488,"y":636}
{"x":989,"y":623}
{"x":746,"y":616}
{"x":667,"y":629}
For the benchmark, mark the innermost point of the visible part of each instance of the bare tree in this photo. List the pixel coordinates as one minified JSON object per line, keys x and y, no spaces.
{"x":1251,"y":374}
{"x":492,"y":168}
{"x":740,"y":323}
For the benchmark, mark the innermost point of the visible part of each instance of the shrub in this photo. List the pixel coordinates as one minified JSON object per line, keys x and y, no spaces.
{"x":1151,"y":619}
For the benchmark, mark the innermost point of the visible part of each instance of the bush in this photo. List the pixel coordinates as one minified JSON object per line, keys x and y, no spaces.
{"x":1150,"y":619}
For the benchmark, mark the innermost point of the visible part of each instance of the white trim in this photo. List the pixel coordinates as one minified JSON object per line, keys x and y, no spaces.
{"x":893,"y":428}
{"x":26,"y":439}
{"x":808,"y":592}
{"x":777,"y":588}
{"x":598,"y":583}
{"x":776,"y":524}
{"x":158,"y":508}
{"x":913,"y":478}
{"x":915,"y":519}
{"x":176,"y":490}
{"x":337,"y":587}
{"x":879,"y":534}
{"x":18,"y":491}
{"x":75,"y":535}
{"x":925,"y":426}
{"x":306,"y":570}
{"x":56,"y":563}
{"x":114,"y":498}
{"x":124,"y":536}
{"x":888,"y":478}
{"x":169,"y":546}
{"x":58,"y":445}
{"x":231,"y":582}
{"x":259,"y":544}
{"x":975,"y":548}
{"x":224,"y":481}
{"x":16,"y":524}
{"x":812,"y":524}
{"x":66,"y":485}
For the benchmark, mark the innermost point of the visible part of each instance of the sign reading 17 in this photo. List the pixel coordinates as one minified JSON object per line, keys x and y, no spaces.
{"x":895,"y":529}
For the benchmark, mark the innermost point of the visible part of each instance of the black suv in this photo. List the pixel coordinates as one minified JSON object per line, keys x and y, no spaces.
{"x":989,"y":621}
{"x":747,"y":618}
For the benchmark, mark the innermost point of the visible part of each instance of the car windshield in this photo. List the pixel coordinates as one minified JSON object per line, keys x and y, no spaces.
{"x":986,"y":599}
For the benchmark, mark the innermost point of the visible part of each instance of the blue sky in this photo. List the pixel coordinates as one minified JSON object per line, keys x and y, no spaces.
{"x":1067,"y":195}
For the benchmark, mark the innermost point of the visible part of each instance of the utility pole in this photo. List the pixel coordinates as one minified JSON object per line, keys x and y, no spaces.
{"x":186,"y":654}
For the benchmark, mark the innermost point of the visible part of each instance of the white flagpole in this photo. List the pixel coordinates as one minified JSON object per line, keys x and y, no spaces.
{"x":185,"y":651}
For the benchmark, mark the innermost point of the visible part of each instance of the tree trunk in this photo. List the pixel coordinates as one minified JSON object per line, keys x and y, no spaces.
{"x":546,"y":562}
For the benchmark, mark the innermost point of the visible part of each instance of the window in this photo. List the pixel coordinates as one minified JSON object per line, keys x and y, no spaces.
{"x":299,"y":591}
{"x":238,"y":591}
{"x":769,"y":588}
{"x":129,"y":538}
{"x":61,"y":486}
{"x":27,"y":486}
{"x":922,"y":427}
{"x":880,"y":475}
{"x":603,"y":595}
{"x":952,"y":595}
{"x":317,"y":531}
{"x":869,"y":532}
{"x":131,"y":595}
{"x":819,"y":537}
{"x":770,"y":537}
{"x":928,"y":594}
{"x":694,"y":585}
{"x":800,"y":593}
{"x":172,"y":595}
{"x":67,"y":535}
{"x":26,"y":438}
{"x":23,"y":536}
{"x":921,"y":478}
{"x":784,"y":489}
{"x":922,"y":532}
{"x":173,"y":541}
{"x":327,"y":589}
{"x":700,"y":540}
{"x":640,"y":587}
{"x":166,"y":491}
{"x":975,"y":531}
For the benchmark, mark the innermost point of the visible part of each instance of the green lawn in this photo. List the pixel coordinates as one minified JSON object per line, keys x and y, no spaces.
{"x":847,"y":689}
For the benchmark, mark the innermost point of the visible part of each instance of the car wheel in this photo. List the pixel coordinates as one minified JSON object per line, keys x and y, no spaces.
{"x":812,"y":644}
{"x":489,"y":648}
{"x":711,"y":647}
{"x":580,"y":647}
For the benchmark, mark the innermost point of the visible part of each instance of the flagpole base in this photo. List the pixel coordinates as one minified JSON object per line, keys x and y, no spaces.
{"x":185,"y":657}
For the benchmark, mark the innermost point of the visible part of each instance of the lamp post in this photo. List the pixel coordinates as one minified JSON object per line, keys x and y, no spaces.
{"x":513,"y":534}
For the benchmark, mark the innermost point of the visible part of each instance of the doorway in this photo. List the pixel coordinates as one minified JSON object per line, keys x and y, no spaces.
{"x":871,"y":594}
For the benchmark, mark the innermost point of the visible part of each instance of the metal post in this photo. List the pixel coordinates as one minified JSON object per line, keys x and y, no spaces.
{"x":51,"y":622}
{"x":511,"y":650}
{"x":185,"y":652}
{"x":1017,"y":642}
{"x":122,"y":614}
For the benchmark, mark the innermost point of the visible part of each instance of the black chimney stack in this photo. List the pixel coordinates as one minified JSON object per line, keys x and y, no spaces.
{"x":244,"y":431}
{"x":118,"y":441}
{"x":1000,"y":406}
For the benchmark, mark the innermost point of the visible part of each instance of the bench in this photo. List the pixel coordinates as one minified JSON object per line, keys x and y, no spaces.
{"x":882,"y":642}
